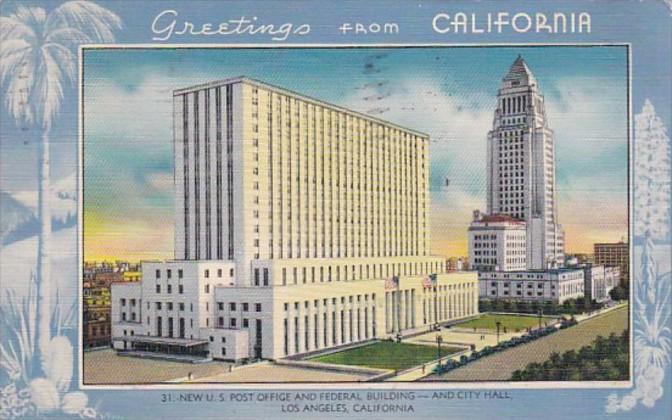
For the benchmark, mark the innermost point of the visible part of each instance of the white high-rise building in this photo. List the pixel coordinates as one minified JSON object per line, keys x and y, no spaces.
{"x":299,"y":226}
{"x":521,"y":166}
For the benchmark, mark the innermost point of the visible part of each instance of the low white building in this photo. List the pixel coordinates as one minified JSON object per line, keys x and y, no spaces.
{"x":556,"y":285}
{"x":196,"y":308}
{"x":497,"y":243}
{"x":599,"y":281}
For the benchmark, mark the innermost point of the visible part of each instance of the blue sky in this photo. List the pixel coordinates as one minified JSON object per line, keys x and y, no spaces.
{"x":446,"y":92}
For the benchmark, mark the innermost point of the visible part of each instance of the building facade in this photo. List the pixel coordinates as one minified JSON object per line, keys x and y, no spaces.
{"x":96,"y":300}
{"x":293,"y":217}
{"x":497,"y":243}
{"x":599,"y":281}
{"x":521,"y":166}
{"x":550,"y":285}
{"x":615,"y":254}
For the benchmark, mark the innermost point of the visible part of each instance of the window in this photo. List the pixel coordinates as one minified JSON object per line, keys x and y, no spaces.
{"x":181,"y":306}
{"x":223,"y":339}
{"x":232,"y":306}
{"x":265,"y":276}
{"x":158,"y":306}
{"x":158,"y":274}
{"x":170,"y":306}
{"x":231,"y":272}
{"x":223,"y":350}
{"x":170,"y":289}
{"x":212,"y":339}
{"x":219,"y":272}
{"x":246,"y":306}
{"x":179,"y":273}
{"x":123,"y":302}
{"x":246,"y":323}
{"x":206,"y":274}
{"x":158,"y":288}
{"x":169,"y":273}
{"x":257,"y":307}
{"x":256,"y":277}
{"x":207,"y":288}
{"x":232,"y":322}
{"x":180,"y":289}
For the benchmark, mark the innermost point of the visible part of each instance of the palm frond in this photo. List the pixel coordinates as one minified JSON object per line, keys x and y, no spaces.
{"x":68,"y":37}
{"x":91,"y":19}
{"x":47,"y":92}
{"x":66,"y":59}
{"x":11,"y":27}
{"x":16,"y":72}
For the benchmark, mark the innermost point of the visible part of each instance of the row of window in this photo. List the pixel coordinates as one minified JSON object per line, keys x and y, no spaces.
{"x":244,"y":306}
{"x":357,"y":271}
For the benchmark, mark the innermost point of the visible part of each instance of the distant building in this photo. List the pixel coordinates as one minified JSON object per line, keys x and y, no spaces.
{"x":615,"y":254}
{"x":551,"y":285}
{"x":96,"y":314}
{"x":497,"y":243}
{"x":456,"y":264}
{"x":98,"y":278}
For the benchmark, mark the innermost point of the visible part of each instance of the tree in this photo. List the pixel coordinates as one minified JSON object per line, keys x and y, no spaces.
{"x":589,"y":371}
{"x":618,"y":293}
{"x":37,"y":59}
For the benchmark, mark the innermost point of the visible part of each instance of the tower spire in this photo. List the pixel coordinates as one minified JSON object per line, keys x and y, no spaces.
{"x":519,"y":72}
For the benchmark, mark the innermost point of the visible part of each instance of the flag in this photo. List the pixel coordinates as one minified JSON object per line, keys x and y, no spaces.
{"x":429,"y":282}
{"x":392,"y":283}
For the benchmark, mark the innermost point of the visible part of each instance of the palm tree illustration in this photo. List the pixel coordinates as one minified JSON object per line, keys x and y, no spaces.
{"x":38,"y":60}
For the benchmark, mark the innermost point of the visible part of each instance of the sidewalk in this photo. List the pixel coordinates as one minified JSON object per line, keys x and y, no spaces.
{"x":467,"y":338}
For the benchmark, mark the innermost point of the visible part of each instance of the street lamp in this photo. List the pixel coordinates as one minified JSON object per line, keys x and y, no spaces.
{"x":498,"y":323}
{"x":439,"y":339}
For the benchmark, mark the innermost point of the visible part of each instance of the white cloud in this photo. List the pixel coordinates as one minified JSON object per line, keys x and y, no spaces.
{"x":162,"y":181}
{"x":457,"y":131}
{"x":139,"y":117}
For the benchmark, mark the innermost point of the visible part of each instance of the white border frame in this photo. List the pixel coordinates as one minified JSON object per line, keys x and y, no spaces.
{"x":354,"y":386}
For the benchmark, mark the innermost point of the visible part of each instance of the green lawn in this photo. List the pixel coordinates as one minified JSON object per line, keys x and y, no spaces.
{"x":386,"y":355}
{"x":510,"y":322}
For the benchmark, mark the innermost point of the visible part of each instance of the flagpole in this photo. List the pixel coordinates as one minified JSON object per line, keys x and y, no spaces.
{"x":398,"y":308}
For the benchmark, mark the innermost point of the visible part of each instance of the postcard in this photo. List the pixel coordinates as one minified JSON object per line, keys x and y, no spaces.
{"x":301,"y":209}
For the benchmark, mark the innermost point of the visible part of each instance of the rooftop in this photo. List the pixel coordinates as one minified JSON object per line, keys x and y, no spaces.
{"x":520,"y":71}
{"x":264,"y":85}
{"x":498,"y":218}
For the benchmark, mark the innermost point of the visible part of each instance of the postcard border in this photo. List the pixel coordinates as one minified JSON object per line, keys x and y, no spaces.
{"x":355,"y":386}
